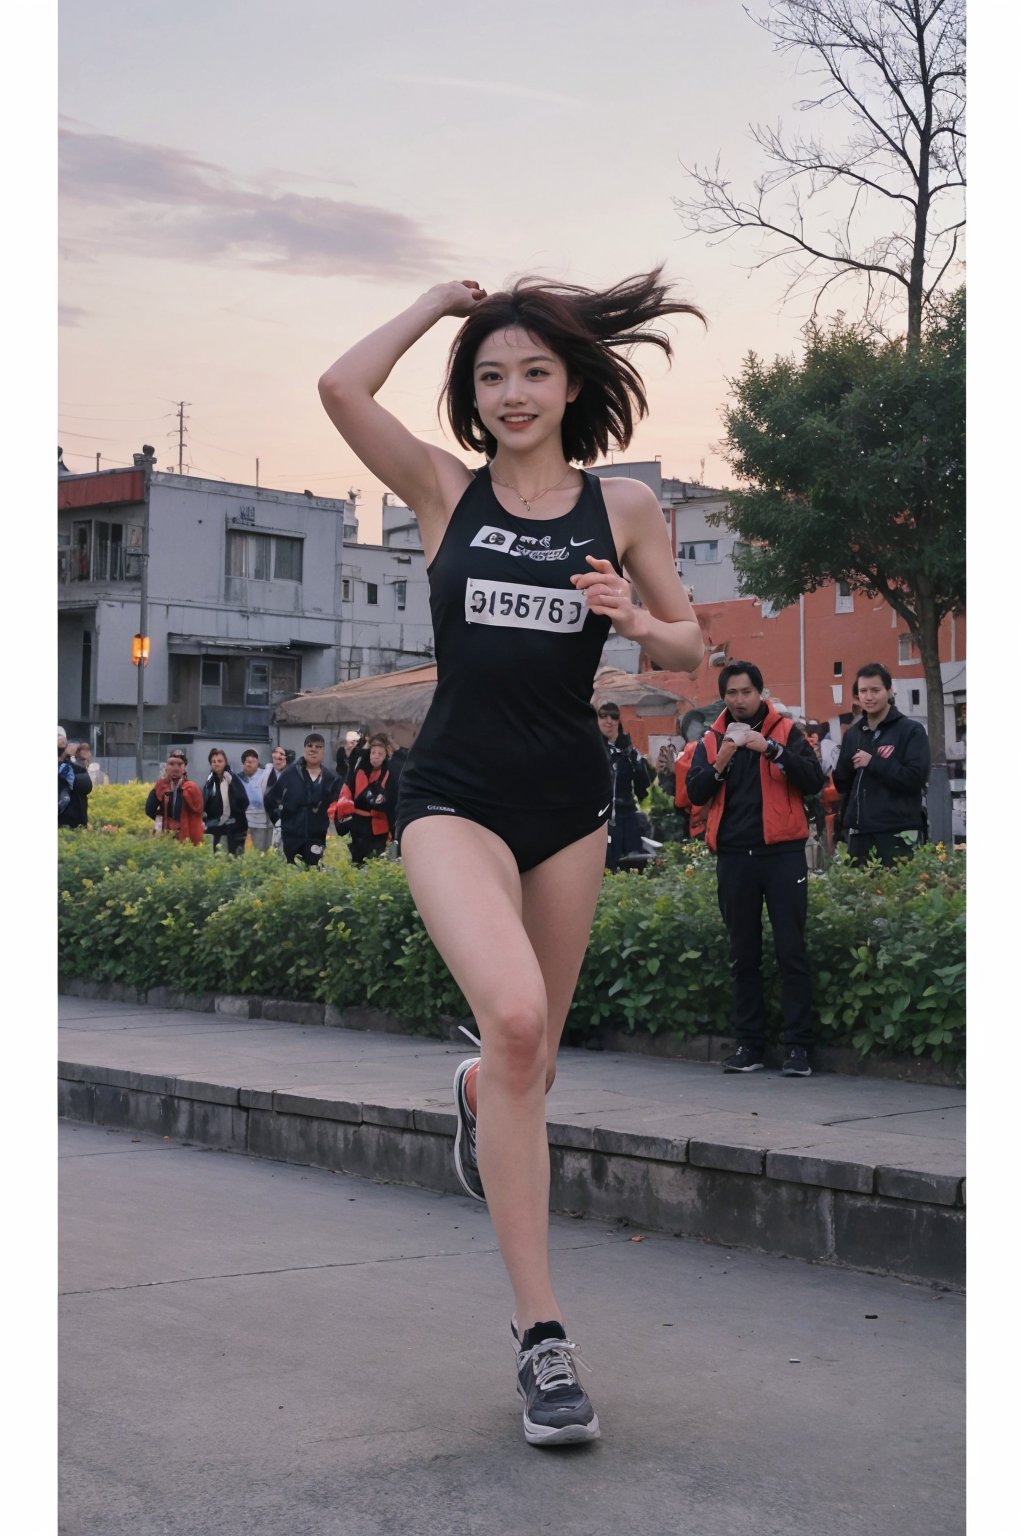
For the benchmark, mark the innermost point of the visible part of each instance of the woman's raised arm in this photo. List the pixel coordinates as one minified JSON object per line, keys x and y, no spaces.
{"x":414,"y":470}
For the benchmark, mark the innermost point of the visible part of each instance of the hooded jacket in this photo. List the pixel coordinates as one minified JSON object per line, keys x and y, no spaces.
{"x":886,"y":795}
{"x":759,"y":805}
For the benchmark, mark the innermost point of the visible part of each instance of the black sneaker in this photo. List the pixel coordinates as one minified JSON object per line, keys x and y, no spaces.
{"x":744,"y":1059}
{"x":796,"y":1062}
{"x":557,"y":1410}
{"x":465,"y":1137}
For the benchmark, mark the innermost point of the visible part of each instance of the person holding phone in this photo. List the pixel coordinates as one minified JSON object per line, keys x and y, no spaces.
{"x":752,"y":769}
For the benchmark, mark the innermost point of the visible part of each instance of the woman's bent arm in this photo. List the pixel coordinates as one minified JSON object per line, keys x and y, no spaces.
{"x":665,"y":627}
{"x":414,"y":470}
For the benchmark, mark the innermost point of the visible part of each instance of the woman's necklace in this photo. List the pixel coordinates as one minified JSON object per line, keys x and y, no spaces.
{"x":529,"y":504}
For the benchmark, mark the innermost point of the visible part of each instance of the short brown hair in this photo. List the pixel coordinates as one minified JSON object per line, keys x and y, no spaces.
{"x":583,"y":327}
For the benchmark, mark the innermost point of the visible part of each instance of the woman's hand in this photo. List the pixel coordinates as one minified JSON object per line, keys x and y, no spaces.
{"x":609,"y":594}
{"x":459,"y":298}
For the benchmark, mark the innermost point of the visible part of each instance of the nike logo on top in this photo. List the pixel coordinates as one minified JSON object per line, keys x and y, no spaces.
{"x":579,"y":543}
{"x":604,"y":808}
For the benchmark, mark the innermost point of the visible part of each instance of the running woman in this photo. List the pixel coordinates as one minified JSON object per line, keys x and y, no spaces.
{"x":504,"y":798}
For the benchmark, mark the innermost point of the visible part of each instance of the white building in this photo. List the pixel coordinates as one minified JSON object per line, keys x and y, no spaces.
{"x":253,"y":596}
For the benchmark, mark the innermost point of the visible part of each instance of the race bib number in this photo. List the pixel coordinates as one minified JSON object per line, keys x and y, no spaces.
{"x":559,"y":611}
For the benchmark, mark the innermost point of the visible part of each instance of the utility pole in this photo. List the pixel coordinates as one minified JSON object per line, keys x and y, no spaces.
{"x":144,"y":461}
{"x":257,"y":474}
{"x":97,"y":463}
{"x":181,"y":404}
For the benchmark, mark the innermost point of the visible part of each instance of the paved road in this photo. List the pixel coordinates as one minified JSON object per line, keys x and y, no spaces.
{"x":249,"y":1347}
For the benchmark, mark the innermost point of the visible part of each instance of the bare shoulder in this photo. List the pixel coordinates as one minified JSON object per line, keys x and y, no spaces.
{"x":627,"y":496}
{"x":633,"y":509}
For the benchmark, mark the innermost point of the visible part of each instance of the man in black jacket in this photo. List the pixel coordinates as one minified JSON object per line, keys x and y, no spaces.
{"x":882,"y":769}
{"x":299,"y":799}
{"x":630,"y":780}
{"x":753,"y":768}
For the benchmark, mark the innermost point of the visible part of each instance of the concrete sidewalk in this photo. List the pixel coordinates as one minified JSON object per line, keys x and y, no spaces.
{"x":859,"y":1172}
{"x":253,"y":1349}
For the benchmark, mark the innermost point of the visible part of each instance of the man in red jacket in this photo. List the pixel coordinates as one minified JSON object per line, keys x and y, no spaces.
{"x":752,"y":769}
{"x":177,"y":801}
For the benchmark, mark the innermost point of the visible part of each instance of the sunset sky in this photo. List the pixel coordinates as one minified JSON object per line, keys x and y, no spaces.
{"x":247,"y":189}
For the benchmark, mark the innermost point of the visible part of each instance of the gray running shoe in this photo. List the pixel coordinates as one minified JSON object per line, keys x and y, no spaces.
{"x":557,"y":1411}
{"x":465,"y":1137}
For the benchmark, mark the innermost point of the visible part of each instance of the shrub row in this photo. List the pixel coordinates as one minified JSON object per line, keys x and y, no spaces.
{"x":886,"y":946}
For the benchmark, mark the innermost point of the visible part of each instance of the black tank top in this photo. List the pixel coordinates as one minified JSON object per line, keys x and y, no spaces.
{"x":511,"y":723}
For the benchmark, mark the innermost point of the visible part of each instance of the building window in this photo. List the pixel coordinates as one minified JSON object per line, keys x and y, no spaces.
{"x":257,"y":686}
{"x":104,"y":551}
{"x":844,"y":597}
{"x":915,"y":696}
{"x":703,"y":552}
{"x":400,"y":593}
{"x":211,"y":682}
{"x":346,"y":589}
{"x":371,"y":592}
{"x":262,"y":557}
{"x":905,"y":649}
{"x":287,"y":559}
{"x":837,"y":669}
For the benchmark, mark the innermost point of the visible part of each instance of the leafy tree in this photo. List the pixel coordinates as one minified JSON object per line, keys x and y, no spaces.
{"x":886,"y":207}
{"x":854,"y":463}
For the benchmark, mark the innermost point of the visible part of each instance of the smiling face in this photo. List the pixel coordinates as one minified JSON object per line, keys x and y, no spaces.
{"x":873,"y":696}
{"x":607,"y":723}
{"x":522,"y":389}
{"x":278,"y":759}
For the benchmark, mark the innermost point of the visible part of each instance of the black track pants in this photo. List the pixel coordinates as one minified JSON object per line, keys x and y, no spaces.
{"x":779,"y":880}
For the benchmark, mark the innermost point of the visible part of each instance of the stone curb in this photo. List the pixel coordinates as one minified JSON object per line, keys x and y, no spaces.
{"x":827,"y":1058}
{"x":881,"y":1220}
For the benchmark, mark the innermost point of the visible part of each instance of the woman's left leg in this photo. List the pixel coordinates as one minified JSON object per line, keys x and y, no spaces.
{"x":559,"y":897}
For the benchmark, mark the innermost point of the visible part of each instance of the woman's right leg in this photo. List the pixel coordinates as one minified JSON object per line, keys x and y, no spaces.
{"x":467,"y":890}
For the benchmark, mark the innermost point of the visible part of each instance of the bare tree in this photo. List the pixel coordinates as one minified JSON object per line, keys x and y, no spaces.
{"x":887,"y":207}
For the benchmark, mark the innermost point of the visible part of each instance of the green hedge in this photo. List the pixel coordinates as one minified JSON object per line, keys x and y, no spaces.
{"x":886,"y":946}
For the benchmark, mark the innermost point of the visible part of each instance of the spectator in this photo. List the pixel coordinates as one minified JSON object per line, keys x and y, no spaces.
{"x":630,"y":779}
{"x":883,"y":767}
{"x":225,"y":804}
{"x":753,"y":769}
{"x":254,"y":782}
{"x":348,"y":750}
{"x":95,"y":772}
{"x":374,"y":801}
{"x":175,"y":803}
{"x":300,"y":798}
{"x":666,"y":768}
{"x":278,"y":764}
{"x":693,"y":817}
{"x":74,"y":785}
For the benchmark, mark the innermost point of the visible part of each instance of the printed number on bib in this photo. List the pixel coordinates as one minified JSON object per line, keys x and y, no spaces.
{"x":518,"y":606}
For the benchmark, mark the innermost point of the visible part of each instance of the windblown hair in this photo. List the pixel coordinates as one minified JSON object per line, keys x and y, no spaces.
{"x":588,"y":330}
